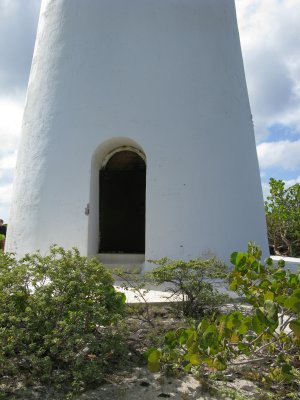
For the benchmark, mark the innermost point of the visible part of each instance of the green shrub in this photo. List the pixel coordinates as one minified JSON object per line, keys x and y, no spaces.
{"x":60,"y":319}
{"x":2,"y":238}
{"x":190,"y":281}
{"x":268,"y":335}
{"x":282,"y":208}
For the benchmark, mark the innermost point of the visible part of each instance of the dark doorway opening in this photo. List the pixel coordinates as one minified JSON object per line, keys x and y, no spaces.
{"x":122,"y":204}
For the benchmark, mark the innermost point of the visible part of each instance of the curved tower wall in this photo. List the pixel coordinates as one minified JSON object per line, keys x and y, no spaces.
{"x":164,"y":76}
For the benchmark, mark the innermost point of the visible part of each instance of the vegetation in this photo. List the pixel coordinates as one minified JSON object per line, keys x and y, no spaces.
{"x":283,"y":218}
{"x":267,"y":335}
{"x":190,"y":282}
{"x":60,"y":320}
{"x":62,"y":325}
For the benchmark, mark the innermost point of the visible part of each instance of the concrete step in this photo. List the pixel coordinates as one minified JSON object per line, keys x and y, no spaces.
{"x":132,"y":263}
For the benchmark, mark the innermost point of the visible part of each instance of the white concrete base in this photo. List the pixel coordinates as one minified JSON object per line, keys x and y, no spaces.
{"x":154,"y":296}
{"x":291,"y":263}
{"x":133,"y":263}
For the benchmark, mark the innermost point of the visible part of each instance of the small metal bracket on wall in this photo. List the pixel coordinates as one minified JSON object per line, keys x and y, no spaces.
{"x":87,"y":209}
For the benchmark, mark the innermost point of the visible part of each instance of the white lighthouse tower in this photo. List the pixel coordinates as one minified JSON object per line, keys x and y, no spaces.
{"x":137,"y":135}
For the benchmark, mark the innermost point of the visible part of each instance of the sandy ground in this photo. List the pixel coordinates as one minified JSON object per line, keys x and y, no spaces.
{"x":161,"y":294}
{"x":147,"y":386}
{"x":141,"y":384}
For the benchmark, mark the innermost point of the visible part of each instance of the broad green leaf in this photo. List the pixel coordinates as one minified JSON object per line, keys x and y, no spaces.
{"x":234,"y":320}
{"x":275,"y":374}
{"x":279,"y":274}
{"x":210,"y":336}
{"x":269,"y":261}
{"x":296,"y":293}
{"x":234,"y":338}
{"x":219,"y":365}
{"x":183,"y":338}
{"x":275,"y":285}
{"x":204,"y":324}
{"x":271,"y":310}
{"x":154,"y":356}
{"x":154,"y":367}
{"x":286,"y":368}
{"x":281,"y":299}
{"x":244,"y":348}
{"x":269,"y":296}
{"x":292,"y":303}
{"x":294,"y":279}
{"x":233,"y":257}
{"x":243,"y":328}
{"x":265,"y":284}
{"x":170,"y":336}
{"x":195,"y":359}
{"x":255,"y":266}
{"x":287,"y":372}
{"x":295,"y":327}
{"x":261,"y":316}
{"x":191,"y":339}
{"x":121,"y":297}
{"x":222,"y":325}
{"x":238,"y":259}
{"x":188,"y":367}
{"x":173,"y":355}
{"x":192,"y":350}
{"x":257,"y":326}
{"x":20,"y":294}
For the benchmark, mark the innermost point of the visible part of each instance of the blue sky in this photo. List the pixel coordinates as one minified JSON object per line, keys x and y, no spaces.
{"x":269,"y":32}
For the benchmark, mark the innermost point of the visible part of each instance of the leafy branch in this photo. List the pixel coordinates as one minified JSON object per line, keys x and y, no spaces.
{"x":269,"y":334}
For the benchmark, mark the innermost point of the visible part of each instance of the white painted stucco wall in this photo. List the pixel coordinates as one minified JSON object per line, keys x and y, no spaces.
{"x":164,"y":76}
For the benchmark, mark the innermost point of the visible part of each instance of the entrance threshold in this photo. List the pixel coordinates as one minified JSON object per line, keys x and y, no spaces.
{"x":129,"y":262}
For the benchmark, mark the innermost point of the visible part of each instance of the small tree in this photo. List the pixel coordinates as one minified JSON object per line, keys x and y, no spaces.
{"x":266,"y":335}
{"x":191,"y":282}
{"x":283,"y":218}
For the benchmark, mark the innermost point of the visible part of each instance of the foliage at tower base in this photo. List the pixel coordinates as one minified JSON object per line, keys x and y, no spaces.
{"x":266,"y":335}
{"x":60,"y":320}
{"x":2,"y":241}
{"x":283,"y":218}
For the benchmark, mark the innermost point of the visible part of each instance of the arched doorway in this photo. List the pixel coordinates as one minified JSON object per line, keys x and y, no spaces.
{"x":122,"y":202}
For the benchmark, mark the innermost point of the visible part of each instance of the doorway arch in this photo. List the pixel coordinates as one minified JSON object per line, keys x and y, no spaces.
{"x":122,"y":202}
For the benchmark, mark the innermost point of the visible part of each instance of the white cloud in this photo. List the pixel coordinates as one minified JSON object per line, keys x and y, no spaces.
{"x":11,"y":112}
{"x":292,"y":182}
{"x":5,"y":199}
{"x":270,"y":32}
{"x":265,"y":189}
{"x":5,"y":193}
{"x":8,"y":162}
{"x":282,"y":154}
